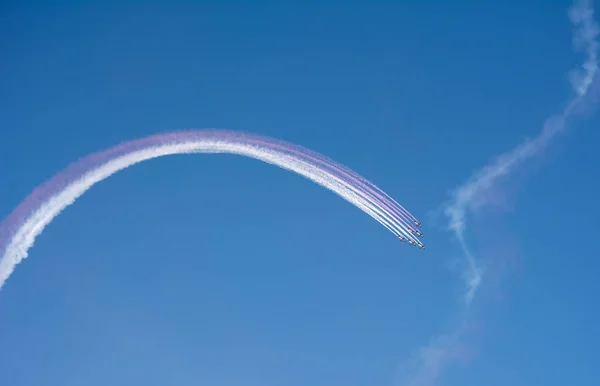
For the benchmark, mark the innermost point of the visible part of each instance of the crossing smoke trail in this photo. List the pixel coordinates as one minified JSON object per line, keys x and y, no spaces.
{"x":19,"y":230}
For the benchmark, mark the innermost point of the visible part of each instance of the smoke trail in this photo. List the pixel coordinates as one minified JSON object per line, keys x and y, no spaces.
{"x":20,"y":229}
{"x":581,"y":15}
{"x":405,"y":216}
{"x":366,"y":186}
{"x":477,"y":191}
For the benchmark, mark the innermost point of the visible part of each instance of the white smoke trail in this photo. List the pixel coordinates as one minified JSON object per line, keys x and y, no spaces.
{"x":403,"y":219}
{"x":478,"y":190}
{"x":405,"y":216}
{"x":25,"y":236}
{"x":581,"y":15}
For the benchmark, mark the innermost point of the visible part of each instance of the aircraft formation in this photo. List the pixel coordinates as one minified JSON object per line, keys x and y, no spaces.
{"x":28,"y":220}
{"x":415,"y":232}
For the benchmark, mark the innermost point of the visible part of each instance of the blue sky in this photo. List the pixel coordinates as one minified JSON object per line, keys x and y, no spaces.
{"x":221,"y":270}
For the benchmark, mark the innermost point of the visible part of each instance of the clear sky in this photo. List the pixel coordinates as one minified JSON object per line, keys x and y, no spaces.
{"x":224,"y":271}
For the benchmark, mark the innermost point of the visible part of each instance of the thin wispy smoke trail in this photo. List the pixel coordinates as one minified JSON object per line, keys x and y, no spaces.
{"x":20,"y":229}
{"x":477,"y":192}
{"x":584,"y":40}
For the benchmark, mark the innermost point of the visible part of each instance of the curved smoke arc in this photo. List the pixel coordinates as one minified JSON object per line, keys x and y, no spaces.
{"x":20,"y":229}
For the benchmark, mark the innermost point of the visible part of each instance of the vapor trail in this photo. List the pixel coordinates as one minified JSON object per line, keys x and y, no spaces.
{"x":20,"y":229}
{"x":476,"y":192}
{"x":405,"y":216}
{"x":399,"y":218}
